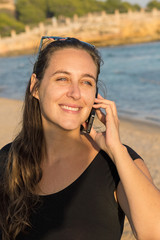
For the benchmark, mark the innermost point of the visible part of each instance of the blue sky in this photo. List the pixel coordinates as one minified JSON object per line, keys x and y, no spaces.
{"x":140,"y":2}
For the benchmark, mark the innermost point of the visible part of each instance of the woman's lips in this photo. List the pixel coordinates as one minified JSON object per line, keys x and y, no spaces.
{"x":70,"y":108}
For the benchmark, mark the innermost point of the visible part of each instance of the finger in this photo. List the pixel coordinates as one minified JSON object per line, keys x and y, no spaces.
{"x":99,"y":96}
{"x":109,"y":117}
{"x":101,"y":116}
{"x":101,"y":105}
{"x":107,"y":102}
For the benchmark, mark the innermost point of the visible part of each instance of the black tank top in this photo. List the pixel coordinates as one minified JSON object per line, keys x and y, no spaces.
{"x":85,"y":210}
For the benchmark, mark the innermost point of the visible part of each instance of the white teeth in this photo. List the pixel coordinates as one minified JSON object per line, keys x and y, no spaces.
{"x":70,"y":108}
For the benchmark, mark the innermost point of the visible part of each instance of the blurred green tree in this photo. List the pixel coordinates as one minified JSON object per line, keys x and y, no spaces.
{"x":70,"y":7}
{"x":30,"y":12}
{"x":137,"y":7}
{"x":63,"y":7}
{"x":34,"y":11}
{"x":125,"y":6}
{"x":8,"y":23}
{"x":112,"y":5}
{"x":153,"y":4}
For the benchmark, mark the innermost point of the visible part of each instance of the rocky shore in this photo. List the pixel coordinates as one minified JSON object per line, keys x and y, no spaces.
{"x":100,"y":29}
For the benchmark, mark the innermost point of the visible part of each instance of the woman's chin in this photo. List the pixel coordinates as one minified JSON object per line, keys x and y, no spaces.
{"x":70,"y":127}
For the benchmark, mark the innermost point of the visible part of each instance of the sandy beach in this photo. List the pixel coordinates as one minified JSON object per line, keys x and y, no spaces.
{"x":144,"y":138}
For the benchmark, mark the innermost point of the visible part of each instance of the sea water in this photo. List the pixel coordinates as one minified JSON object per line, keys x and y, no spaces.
{"x":131,"y":75}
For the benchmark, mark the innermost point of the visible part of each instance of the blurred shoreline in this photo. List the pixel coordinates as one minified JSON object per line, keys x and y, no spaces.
{"x":96,"y":42}
{"x":100,"y":29}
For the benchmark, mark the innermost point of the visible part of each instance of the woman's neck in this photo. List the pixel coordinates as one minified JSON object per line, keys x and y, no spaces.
{"x":60,"y":144}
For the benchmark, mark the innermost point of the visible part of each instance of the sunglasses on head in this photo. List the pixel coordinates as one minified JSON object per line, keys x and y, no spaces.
{"x":45,"y":40}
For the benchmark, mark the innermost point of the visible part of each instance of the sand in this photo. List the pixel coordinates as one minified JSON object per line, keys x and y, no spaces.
{"x":10,"y":118}
{"x":144,"y":138}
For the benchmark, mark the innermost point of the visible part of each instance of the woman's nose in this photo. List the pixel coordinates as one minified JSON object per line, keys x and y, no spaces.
{"x":74,"y":91}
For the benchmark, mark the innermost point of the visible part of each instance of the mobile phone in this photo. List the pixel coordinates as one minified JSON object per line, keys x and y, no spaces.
{"x":91,"y":117}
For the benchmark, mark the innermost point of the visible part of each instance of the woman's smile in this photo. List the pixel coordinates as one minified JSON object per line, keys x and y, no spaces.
{"x":70,"y":108}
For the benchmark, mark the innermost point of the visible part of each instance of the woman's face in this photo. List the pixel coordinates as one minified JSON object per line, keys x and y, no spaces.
{"x":67,"y":90}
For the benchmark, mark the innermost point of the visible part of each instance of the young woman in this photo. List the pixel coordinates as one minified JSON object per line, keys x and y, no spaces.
{"x":60,"y":183}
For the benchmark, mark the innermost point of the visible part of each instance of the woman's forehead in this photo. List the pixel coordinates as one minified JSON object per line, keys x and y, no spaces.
{"x":70,"y":51}
{"x":73,"y":59}
{"x":68,"y":55}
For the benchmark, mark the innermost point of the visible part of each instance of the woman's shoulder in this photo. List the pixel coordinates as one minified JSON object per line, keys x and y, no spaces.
{"x":133,"y":154}
{"x":5,"y":150}
{"x":4,"y":156}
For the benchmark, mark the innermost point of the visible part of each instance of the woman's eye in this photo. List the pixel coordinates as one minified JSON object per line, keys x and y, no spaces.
{"x":88,"y":83}
{"x":61,"y":79}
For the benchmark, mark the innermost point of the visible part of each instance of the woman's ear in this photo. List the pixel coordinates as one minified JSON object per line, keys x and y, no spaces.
{"x":34,"y":86}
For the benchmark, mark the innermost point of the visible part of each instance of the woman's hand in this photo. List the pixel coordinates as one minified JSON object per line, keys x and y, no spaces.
{"x":109,"y":140}
{"x":143,"y":215}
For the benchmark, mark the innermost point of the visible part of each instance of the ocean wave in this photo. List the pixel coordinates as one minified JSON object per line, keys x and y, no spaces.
{"x":128,"y":112}
{"x":2,"y":88}
{"x":153,"y":119}
{"x":153,"y":81}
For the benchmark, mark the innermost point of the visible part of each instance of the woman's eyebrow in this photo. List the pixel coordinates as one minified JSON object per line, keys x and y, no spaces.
{"x":89,"y":75}
{"x":60,"y":71}
{"x":68,"y":73}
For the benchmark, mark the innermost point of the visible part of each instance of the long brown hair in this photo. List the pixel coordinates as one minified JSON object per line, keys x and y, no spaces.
{"x":22,"y":171}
